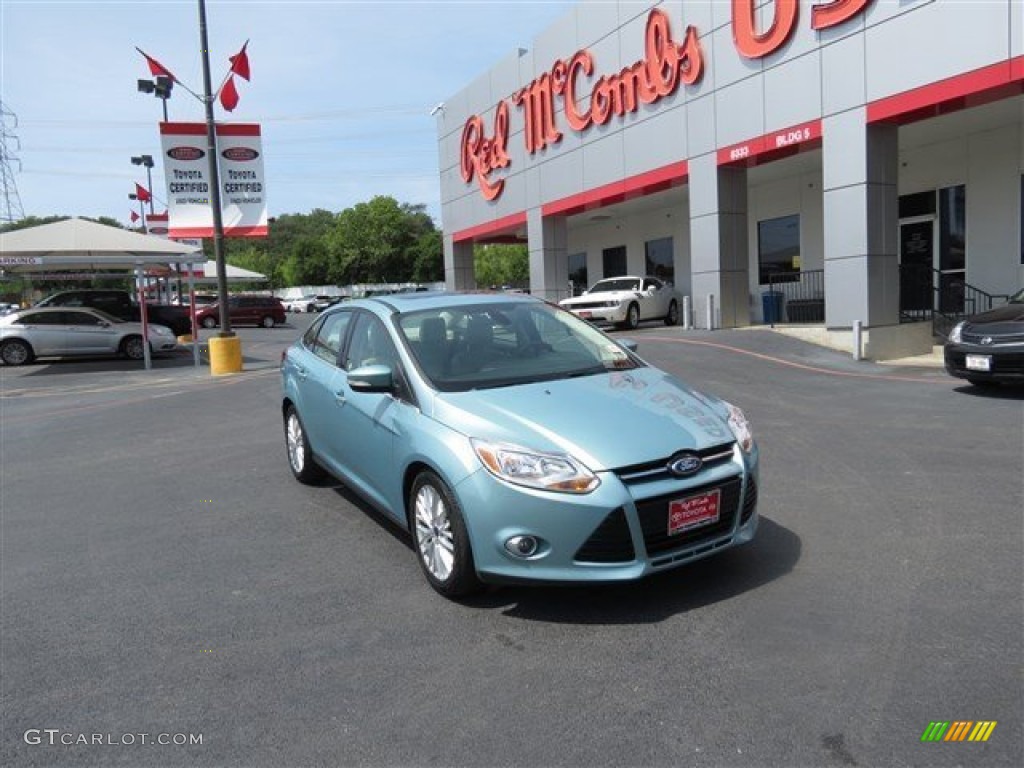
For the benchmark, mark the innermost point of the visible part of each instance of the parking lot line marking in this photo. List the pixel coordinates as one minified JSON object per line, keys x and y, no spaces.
{"x":801,"y":366}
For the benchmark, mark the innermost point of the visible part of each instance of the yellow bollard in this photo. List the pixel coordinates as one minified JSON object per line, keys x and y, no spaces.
{"x":186,"y":339}
{"x":225,"y":355}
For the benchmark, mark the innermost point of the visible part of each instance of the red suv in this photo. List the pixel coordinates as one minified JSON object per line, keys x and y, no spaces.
{"x":267,"y":311}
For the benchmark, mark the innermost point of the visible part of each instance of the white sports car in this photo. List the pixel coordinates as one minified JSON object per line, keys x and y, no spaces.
{"x":626,"y":301}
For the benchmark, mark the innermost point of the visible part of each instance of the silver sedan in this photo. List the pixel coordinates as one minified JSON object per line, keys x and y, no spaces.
{"x":58,"y":332}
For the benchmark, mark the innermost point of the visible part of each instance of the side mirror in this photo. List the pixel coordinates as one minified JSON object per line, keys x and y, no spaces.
{"x":371,"y":378}
{"x":629,"y":344}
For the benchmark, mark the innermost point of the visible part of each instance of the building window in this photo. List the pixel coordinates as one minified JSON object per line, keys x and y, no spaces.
{"x":659,"y":258}
{"x":614,"y":261}
{"x":917,"y":204}
{"x":778,"y":249}
{"x":577,"y":273}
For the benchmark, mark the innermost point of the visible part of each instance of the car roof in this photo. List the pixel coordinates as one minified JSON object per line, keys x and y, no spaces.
{"x":425,"y":300}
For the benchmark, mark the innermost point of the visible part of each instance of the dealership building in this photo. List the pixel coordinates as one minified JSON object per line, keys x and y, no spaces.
{"x":831,"y":164}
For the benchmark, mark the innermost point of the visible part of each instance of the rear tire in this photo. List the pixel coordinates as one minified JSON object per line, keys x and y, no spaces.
{"x":440,"y":538}
{"x":300,"y":455}
{"x":267,"y":322}
{"x":209,"y":322}
{"x":16,"y":352}
{"x":672,"y":318}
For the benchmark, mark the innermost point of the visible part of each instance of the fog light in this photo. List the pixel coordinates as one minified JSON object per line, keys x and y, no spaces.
{"x":522,"y":546}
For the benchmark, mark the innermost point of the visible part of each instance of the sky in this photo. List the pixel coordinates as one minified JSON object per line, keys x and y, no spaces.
{"x":342,"y":90}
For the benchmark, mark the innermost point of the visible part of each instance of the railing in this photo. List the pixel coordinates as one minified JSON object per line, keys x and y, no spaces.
{"x":795,"y":297}
{"x":926,"y":294}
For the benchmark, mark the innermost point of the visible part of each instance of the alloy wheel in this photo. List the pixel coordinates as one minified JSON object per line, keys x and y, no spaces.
{"x":434,"y":537}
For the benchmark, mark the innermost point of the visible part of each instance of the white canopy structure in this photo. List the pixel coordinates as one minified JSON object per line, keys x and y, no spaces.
{"x":77,"y":245}
{"x":207,"y":273}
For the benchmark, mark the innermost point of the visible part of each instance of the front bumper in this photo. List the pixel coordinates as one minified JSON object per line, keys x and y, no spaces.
{"x":597,"y":315}
{"x":619,"y":532}
{"x":1005,"y":362}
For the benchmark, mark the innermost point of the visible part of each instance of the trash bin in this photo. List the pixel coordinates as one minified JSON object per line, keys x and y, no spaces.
{"x":771,"y":306}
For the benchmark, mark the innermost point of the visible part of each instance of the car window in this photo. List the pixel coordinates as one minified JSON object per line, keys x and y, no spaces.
{"x":330,"y":335}
{"x":503,"y":344}
{"x":42,"y":318}
{"x":370,"y":344}
{"x":81,"y":318}
{"x":651,"y":282}
{"x":616,"y":284}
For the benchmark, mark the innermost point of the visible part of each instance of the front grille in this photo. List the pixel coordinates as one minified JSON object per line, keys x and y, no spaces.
{"x":593,"y":305}
{"x":969,"y":337}
{"x":653,"y":515}
{"x":658,"y":469}
{"x":610,"y":542}
{"x":749,"y":501}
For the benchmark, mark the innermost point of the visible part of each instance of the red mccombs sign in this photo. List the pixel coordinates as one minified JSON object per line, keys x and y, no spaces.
{"x":666,"y":65}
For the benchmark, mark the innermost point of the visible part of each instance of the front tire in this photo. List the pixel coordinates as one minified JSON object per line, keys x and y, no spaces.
{"x":16,"y":352}
{"x":300,"y":455}
{"x":632,"y":317}
{"x":209,"y":322}
{"x":132,"y":348}
{"x":672,"y":318}
{"x":440,"y":537}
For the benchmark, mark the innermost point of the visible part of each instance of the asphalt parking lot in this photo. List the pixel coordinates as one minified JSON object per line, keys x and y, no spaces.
{"x":163,"y":574}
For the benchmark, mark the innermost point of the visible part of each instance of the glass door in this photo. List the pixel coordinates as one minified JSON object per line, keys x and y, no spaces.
{"x":917,"y":256}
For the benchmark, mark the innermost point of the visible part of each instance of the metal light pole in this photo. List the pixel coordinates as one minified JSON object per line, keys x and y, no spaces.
{"x":161,"y":87}
{"x":211,"y":144}
{"x":147,"y":160}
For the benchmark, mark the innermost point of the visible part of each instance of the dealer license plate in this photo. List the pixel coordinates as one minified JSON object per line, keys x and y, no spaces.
{"x":979,"y":362}
{"x":695,"y":511}
{"x":586,"y":315}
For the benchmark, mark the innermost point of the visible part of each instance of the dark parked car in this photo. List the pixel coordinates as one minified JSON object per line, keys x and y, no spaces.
{"x":121,"y":304}
{"x":267,"y":311}
{"x":989,"y":348}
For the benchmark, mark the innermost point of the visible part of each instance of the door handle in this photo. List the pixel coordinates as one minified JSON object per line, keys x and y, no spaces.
{"x":301,"y":373}
{"x":339,"y":397}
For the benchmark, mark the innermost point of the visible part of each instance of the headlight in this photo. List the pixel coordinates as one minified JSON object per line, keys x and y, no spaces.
{"x":955,"y":334}
{"x":546,"y":471}
{"x":740,"y":428}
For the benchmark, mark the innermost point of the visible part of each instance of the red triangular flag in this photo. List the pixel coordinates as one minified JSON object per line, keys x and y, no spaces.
{"x":240,"y":63}
{"x":142,"y":193}
{"x":229,"y":95}
{"x":155,"y":67}
{"x":135,"y":217}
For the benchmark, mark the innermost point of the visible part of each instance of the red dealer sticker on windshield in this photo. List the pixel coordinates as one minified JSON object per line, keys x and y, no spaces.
{"x":684,"y":514}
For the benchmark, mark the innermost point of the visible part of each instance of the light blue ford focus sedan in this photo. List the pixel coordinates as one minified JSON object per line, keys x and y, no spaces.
{"x":516,"y":442}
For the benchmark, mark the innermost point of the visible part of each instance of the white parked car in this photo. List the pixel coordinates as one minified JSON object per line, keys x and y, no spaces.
{"x":301,"y":304}
{"x":626,"y":301}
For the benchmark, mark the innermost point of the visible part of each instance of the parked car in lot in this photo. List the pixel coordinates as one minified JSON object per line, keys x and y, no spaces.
{"x":122,"y":305}
{"x":59,"y":332}
{"x":626,"y":301}
{"x":988,"y":348}
{"x":516,"y":442}
{"x":267,"y":311}
{"x":301,"y":304}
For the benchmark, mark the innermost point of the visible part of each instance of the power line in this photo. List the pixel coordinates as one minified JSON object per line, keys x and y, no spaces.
{"x":10,"y":204}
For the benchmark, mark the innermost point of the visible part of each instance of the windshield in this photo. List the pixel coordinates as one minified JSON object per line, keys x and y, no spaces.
{"x":504,"y":344}
{"x":1018,"y":297}
{"x":616,"y":284}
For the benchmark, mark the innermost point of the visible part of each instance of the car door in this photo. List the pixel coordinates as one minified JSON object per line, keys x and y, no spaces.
{"x":370,"y":422}
{"x":87,"y":333}
{"x":45,"y":331}
{"x":318,"y":376}
{"x":653,"y":303}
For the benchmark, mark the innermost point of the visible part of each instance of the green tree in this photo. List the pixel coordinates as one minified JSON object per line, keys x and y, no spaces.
{"x":501,"y":264}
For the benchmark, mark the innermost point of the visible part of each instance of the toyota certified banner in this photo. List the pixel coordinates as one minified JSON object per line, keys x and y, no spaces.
{"x":242,"y":183}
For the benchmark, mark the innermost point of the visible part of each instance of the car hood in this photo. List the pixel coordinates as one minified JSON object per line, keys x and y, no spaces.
{"x":1008,"y":313}
{"x":589,"y":298}
{"x":607,"y":420}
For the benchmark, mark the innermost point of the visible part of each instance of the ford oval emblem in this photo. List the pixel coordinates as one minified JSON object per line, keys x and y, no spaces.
{"x":185,"y":153}
{"x":240,"y":154}
{"x":685,"y":464}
